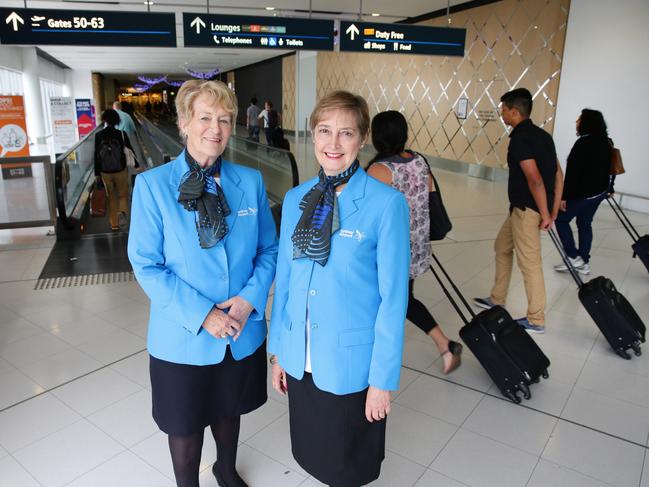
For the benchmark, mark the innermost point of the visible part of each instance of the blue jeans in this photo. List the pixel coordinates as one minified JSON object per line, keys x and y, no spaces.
{"x":253,"y":132}
{"x":584,"y":211}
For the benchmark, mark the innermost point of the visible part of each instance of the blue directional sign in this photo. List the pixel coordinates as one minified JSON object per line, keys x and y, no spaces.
{"x":34,"y":26}
{"x":401,"y":39}
{"x":242,"y":31}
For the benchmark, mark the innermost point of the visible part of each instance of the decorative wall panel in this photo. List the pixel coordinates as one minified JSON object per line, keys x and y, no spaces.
{"x":288,"y":92}
{"x":510,"y":44}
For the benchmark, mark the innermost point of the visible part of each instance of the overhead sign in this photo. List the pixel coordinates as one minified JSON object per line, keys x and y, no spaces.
{"x":13,"y":130}
{"x":33,"y":26}
{"x":401,"y":39}
{"x":241,"y":31}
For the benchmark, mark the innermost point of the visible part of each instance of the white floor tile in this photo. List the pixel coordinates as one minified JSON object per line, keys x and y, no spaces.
{"x":445,"y":401}
{"x":419,"y":355}
{"x":60,"y":368}
{"x":113,"y":346}
{"x":615,"y":383}
{"x":84,"y":330}
{"x":416,"y":436}
{"x":96,"y":391}
{"x":65,"y":455}
{"x":550,"y":474}
{"x":17,"y":328}
{"x":407,"y":377}
{"x":596,"y":455}
{"x":470,"y":373}
{"x":124,"y":470}
{"x":396,"y":470}
{"x":135,"y":368}
{"x":480,"y":461}
{"x":16,"y":387}
{"x":255,"y":421}
{"x":32,"y":349}
{"x":33,"y":420}
{"x":128,"y":421}
{"x":607,"y":414}
{"x":508,"y":423}
{"x":435,"y":479}
{"x":12,"y":474}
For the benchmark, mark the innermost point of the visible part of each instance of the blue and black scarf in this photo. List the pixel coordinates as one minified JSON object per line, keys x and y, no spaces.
{"x":312,"y":235}
{"x":200,"y":193}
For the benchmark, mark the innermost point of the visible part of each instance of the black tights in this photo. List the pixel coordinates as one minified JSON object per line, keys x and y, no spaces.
{"x":417,"y":313}
{"x":186,"y":453}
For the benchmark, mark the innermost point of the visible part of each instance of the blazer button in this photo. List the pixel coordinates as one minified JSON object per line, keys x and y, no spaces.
{"x":312,"y":292}
{"x":224,"y":278}
{"x":314,"y":326}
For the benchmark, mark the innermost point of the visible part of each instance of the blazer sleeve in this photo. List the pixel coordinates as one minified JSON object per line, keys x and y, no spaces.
{"x":256,"y":289}
{"x":393,"y":263}
{"x":279,"y":315}
{"x":178,"y":299}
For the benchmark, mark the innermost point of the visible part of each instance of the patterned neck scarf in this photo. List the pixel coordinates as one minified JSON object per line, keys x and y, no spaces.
{"x":200,"y":193}
{"x":312,"y":235}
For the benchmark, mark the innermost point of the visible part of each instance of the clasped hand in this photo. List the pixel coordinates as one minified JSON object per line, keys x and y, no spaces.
{"x":228,"y":318}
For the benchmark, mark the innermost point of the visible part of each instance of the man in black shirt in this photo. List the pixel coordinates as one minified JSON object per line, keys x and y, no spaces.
{"x":535,"y":187}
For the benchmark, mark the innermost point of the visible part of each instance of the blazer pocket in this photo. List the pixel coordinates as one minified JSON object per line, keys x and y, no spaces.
{"x":358,"y":336}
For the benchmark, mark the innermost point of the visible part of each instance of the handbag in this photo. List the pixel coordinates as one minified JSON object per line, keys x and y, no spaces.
{"x":440,"y":223}
{"x":617,"y":167}
{"x":128,"y":153}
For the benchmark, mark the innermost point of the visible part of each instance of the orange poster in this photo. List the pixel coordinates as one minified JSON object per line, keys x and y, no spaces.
{"x":13,"y":130}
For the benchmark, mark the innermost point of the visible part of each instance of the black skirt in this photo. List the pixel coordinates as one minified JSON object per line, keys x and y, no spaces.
{"x":187,"y":398}
{"x":330,"y":436}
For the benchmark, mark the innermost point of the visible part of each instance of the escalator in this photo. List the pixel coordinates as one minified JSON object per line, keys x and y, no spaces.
{"x":86,"y":246}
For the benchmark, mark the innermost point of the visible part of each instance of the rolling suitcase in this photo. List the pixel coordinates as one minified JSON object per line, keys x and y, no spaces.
{"x":98,"y":200}
{"x":510,"y":356}
{"x":640,"y":244}
{"x":610,"y":310}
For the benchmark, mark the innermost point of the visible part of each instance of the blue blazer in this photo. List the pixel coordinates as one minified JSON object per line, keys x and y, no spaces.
{"x":183,"y":280}
{"x":357,"y":302}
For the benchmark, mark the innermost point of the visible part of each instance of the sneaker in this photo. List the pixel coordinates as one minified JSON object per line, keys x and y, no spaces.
{"x":485,"y":303}
{"x":584,"y":269}
{"x":530,"y":327}
{"x":577,"y":263}
{"x":122,"y":222}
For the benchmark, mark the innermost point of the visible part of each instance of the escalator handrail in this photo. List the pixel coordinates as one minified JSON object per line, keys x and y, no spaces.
{"x":59,"y":190}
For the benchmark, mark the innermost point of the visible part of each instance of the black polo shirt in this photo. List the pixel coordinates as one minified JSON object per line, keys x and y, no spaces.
{"x":527,"y":141}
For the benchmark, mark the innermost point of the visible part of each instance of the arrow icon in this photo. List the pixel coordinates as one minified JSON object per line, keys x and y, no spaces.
{"x":352,"y":30}
{"x":198,"y":23}
{"x":14,"y":18}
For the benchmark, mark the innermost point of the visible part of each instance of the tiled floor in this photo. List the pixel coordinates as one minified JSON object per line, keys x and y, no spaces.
{"x":75,"y":398}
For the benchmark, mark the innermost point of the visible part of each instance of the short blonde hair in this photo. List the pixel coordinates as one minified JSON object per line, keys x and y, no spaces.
{"x":343,"y":100}
{"x":192,"y":89}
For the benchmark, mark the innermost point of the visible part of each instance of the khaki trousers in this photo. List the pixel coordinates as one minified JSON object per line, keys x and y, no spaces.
{"x":521,"y":234}
{"x":118,"y":192}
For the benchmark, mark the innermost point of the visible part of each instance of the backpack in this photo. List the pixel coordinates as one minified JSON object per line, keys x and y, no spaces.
{"x":110,"y":155}
{"x":273,"y":119}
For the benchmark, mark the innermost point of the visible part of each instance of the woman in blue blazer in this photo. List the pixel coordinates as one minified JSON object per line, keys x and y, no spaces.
{"x":203,"y":246}
{"x":341,"y":292}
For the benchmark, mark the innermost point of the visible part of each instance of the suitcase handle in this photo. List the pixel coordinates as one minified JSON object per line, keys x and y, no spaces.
{"x":448,"y":294}
{"x":624,"y":220}
{"x":559,"y":246}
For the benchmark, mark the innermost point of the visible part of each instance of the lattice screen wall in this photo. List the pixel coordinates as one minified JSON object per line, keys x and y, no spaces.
{"x":510,"y":44}
{"x":288,"y":92}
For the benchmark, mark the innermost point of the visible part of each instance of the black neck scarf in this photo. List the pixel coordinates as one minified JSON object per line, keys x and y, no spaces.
{"x":200,"y":193}
{"x":312,"y":235}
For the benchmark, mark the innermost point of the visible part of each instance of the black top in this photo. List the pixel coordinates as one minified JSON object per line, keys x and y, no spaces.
{"x":527,"y":141}
{"x":110,"y":133}
{"x":589,"y":167}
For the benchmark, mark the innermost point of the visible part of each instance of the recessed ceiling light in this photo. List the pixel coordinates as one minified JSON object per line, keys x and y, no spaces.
{"x":148,"y":2}
{"x":270,"y":8}
{"x":374,"y":14}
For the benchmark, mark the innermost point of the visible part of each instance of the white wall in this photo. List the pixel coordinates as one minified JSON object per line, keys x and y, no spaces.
{"x":11,"y":57}
{"x":606,"y":68}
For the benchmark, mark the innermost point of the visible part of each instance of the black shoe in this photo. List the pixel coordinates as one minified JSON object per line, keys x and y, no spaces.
{"x":219,"y":478}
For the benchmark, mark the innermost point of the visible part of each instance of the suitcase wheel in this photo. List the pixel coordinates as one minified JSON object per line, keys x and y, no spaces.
{"x":525,"y":389}
{"x":623,"y":353}
{"x":636,"y":349}
{"x":536,"y":381}
{"x":545,"y":374}
{"x":512,"y":396}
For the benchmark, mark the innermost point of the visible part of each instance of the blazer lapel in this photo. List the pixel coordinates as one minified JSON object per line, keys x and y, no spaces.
{"x":353,"y":192}
{"x":230,"y":183}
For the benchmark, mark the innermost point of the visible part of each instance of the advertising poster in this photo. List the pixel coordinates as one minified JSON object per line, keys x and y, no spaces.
{"x":63,"y":123}
{"x":85,"y":116}
{"x":13,"y":130}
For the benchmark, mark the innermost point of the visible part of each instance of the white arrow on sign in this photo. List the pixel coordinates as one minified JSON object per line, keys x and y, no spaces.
{"x":14,"y":18}
{"x":198,"y":23}
{"x":352,"y":30}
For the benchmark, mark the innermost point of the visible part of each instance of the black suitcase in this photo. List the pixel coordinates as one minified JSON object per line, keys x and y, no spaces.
{"x":640,"y":244}
{"x":510,"y":356}
{"x":610,"y":310}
